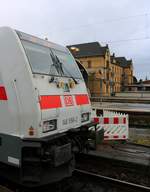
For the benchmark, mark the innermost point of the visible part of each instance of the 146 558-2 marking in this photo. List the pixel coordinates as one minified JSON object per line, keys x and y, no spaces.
{"x":70,"y":120}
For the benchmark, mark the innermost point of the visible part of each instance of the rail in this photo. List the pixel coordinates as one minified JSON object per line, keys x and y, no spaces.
{"x":113,"y":183}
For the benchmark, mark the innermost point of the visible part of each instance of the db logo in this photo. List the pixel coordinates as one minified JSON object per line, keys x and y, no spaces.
{"x":68,"y":100}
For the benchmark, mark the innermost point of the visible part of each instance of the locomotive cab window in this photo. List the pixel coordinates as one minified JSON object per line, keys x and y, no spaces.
{"x":44,"y":60}
{"x":67,"y":64}
{"x":39,"y":57}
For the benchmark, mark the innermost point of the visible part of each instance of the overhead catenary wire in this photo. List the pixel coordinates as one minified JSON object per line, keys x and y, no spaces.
{"x":146,"y":27}
{"x":126,"y":40}
{"x":104,"y":21}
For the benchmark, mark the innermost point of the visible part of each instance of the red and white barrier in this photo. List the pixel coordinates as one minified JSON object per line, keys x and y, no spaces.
{"x":115,"y":125}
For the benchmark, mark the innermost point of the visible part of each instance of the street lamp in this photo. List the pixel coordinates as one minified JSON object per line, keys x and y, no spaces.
{"x":101,"y":72}
{"x":74,"y":49}
{"x":142,"y":88}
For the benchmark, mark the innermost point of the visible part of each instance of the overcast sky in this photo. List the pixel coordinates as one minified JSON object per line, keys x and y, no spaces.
{"x":124,"y":24}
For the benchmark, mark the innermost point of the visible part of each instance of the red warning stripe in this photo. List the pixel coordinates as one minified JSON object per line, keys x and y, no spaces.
{"x":124,"y":120}
{"x":82,"y":99}
{"x":50,"y":101}
{"x":116,"y":120}
{"x":116,"y":136}
{"x":3,"y":95}
{"x":121,"y":137}
{"x":106,"y":120}
{"x":112,"y":120}
{"x":96,"y":120}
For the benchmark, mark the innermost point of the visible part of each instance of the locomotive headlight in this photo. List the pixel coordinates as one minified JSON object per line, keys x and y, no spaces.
{"x":84,"y":117}
{"x":72,"y":84}
{"x":58,"y":84}
{"x":49,"y":125}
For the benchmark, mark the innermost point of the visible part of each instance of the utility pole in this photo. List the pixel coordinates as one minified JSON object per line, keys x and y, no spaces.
{"x":101,"y":72}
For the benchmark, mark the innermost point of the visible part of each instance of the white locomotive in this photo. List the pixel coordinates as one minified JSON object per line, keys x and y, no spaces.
{"x":45,"y":110}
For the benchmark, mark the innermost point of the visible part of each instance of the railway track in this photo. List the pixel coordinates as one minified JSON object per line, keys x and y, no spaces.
{"x":102,"y":174}
{"x":130,"y":163}
{"x":88,"y":181}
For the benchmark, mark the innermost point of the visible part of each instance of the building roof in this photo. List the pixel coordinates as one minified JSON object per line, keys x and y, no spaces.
{"x":146,"y":82}
{"x":129,"y":62}
{"x":113,"y":59}
{"x":88,"y":49}
{"x":123,"y":62}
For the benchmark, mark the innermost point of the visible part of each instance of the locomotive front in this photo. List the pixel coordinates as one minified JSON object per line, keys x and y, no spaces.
{"x":47,"y":106}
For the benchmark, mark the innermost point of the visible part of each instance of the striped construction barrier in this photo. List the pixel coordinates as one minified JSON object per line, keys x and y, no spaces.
{"x":115,"y":125}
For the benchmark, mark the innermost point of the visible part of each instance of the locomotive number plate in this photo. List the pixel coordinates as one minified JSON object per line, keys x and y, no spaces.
{"x":70,"y":120}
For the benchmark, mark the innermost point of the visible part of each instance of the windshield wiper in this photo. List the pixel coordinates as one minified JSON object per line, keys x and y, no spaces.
{"x":59,"y":67}
{"x":57,"y":64}
{"x":70,"y":74}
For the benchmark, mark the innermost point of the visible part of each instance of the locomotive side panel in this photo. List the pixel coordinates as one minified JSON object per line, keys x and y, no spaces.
{"x":21,"y":106}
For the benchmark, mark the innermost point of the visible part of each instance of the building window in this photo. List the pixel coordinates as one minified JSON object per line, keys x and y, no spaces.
{"x":89,"y":64}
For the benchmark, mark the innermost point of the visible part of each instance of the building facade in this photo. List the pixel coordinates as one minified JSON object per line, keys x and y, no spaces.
{"x":106,"y":73}
{"x":127,"y":71}
{"x":116,"y":73}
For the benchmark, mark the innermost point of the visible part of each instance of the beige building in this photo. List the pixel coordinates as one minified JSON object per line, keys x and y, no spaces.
{"x":105,"y":72}
{"x":116,"y":75}
{"x":127,"y":71}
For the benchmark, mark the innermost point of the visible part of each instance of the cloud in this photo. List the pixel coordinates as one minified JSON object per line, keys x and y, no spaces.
{"x":76,"y":21}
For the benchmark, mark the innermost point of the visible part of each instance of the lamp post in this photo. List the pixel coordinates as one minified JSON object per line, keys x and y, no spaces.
{"x":101,"y":72}
{"x":101,"y":87}
{"x":142,"y":89}
{"x":74,"y":49}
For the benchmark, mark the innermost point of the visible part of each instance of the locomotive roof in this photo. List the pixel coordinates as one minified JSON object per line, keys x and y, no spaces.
{"x":37,"y":40}
{"x":34,"y":39}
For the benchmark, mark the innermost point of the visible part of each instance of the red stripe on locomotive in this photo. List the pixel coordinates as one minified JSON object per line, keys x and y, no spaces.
{"x":3,"y":95}
{"x":50,"y":101}
{"x":82,"y":99}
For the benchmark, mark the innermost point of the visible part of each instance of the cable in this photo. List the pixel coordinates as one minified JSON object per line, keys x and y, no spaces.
{"x":126,"y":40}
{"x":107,"y":21}
{"x":118,"y":19}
